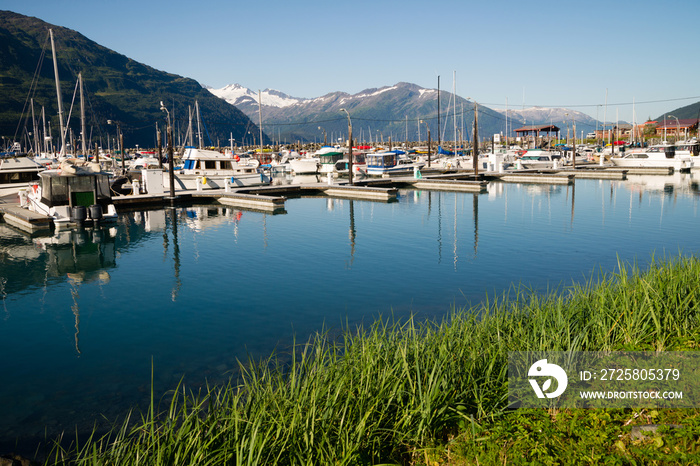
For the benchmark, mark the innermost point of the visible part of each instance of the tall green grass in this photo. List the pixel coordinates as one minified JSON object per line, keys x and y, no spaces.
{"x":381,"y":395}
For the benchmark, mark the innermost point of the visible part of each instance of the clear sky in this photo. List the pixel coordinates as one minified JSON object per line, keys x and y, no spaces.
{"x":546,"y":53}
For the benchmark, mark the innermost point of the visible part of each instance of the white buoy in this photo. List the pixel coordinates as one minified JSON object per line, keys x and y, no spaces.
{"x":227,"y":185}
{"x":135,"y":187}
{"x":198,"y":182}
{"x":330,"y":179}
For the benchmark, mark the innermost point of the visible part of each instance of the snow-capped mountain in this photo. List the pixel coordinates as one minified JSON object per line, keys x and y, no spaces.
{"x":395,"y":111}
{"x":238,"y":95}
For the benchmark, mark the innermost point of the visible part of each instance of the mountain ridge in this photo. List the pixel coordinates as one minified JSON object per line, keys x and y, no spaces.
{"x":117,"y":88}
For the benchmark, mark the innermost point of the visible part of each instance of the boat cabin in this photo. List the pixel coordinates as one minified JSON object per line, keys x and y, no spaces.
{"x":382,"y":160}
{"x":85,"y":189}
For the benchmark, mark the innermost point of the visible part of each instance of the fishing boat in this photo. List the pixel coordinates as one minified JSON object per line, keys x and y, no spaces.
{"x":210,"y":169}
{"x":390,"y":163}
{"x":658,"y":156}
{"x":73,"y":196}
{"x":17,"y":172}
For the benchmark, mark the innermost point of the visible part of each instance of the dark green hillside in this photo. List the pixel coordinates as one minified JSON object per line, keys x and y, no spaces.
{"x":116,"y":87}
{"x":689,"y":111}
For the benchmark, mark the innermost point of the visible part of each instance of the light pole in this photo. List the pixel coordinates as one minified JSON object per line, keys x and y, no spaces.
{"x":325,"y":143}
{"x":678,"y":127}
{"x":171,"y":162}
{"x":426,"y":127}
{"x":349,"y":146}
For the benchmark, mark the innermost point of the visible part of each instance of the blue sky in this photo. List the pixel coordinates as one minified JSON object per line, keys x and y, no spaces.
{"x":546,"y":53}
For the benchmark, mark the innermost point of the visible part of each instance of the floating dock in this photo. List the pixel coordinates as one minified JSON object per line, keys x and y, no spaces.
{"x":26,"y":220}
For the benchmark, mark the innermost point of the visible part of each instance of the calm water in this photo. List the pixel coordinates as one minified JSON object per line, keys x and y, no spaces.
{"x":85,"y":316}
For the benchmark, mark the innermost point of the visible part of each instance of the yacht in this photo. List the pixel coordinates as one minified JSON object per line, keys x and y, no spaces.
{"x":17,"y":172}
{"x":659,"y":155}
{"x":210,"y":169}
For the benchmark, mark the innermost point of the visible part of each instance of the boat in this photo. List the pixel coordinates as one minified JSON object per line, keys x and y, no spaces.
{"x":305,"y":165}
{"x":17,"y":172}
{"x":327,"y":157}
{"x":359,"y":163}
{"x":390,"y":163}
{"x":73,"y":196}
{"x":210,"y":169}
{"x":657,"y":156}
{"x":538,"y":159}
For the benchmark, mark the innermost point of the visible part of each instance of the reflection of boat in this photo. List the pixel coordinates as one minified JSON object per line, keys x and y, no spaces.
{"x":17,"y":172}
{"x":677,"y":182}
{"x":391,"y":162}
{"x":660,"y":155}
{"x":211,"y":169}
{"x":72,"y":199}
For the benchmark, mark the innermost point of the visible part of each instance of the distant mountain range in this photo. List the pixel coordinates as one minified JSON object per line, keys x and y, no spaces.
{"x":395,"y":111}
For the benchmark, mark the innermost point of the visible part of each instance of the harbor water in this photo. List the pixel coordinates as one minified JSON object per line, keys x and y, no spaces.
{"x":93,"y":321}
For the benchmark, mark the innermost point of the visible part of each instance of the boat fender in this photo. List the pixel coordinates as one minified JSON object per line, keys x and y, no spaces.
{"x":204,"y":180}
{"x":236,"y":158}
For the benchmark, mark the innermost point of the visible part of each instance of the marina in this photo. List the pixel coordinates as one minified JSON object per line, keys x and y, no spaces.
{"x":192,"y":289}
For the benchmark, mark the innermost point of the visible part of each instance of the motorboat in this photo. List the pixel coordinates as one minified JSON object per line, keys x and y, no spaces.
{"x":210,"y":169}
{"x":17,"y":172}
{"x":327,"y":157}
{"x":390,"y":163}
{"x":359,"y":164}
{"x":73,"y":196}
{"x":658,"y":156}
{"x":538,"y":159}
{"x":305,"y":165}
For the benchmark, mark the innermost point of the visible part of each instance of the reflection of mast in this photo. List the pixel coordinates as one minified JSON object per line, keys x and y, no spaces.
{"x":475,"y":208}
{"x":439,"y":239}
{"x":573,"y":202}
{"x":352,"y":232}
{"x":76,"y":312}
{"x":454,"y":247}
{"x":176,"y":256}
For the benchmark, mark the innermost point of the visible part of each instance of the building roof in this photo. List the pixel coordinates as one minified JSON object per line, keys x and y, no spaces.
{"x":537,"y":128}
{"x":682,"y":122}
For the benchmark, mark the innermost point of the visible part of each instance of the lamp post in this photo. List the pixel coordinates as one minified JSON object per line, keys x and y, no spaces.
{"x":349,"y":146}
{"x":171,"y":162}
{"x":426,"y":127}
{"x":120,"y":140}
{"x":678,"y":126}
{"x":324,"y":135}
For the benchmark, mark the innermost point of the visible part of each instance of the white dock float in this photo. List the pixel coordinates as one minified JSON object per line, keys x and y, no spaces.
{"x":544,"y":178}
{"x":253,"y":201}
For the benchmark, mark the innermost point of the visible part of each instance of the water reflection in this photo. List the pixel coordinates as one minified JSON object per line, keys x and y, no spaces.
{"x":162,"y":286}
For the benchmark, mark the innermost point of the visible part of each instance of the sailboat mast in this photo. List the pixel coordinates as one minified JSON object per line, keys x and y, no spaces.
{"x":199,"y":128}
{"x":37,"y":149}
{"x":83,"y":132}
{"x":58,"y":95}
{"x":260,"y":120}
{"x":454,"y":113}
